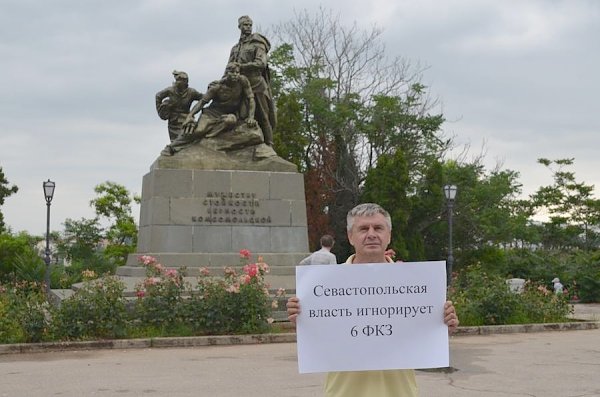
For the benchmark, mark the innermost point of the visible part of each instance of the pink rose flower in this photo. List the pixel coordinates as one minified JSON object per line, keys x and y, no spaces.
{"x":251,"y":269}
{"x":245,"y":279}
{"x":147,"y":260}
{"x":204,"y":271}
{"x":152,"y":281}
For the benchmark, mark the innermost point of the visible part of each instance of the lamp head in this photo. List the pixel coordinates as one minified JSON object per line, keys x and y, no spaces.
{"x":49,"y":190}
{"x":450,"y":192}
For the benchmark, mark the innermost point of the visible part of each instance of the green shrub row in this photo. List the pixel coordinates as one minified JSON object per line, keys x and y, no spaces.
{"x":232,"y":303}
{"x":165,"y":305}
{"x":486,"y":299}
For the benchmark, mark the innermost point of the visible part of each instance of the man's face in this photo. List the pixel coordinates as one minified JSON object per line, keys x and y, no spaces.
{"x":246,"y":27}
{"x":181,"y":83}
{"x":370,"y":235}
{"x":232,"y":74}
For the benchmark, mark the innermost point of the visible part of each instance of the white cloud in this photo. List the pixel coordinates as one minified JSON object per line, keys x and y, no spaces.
{"x":79,"y":80}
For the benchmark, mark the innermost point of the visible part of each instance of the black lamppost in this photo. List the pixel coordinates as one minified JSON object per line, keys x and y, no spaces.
{"x":450,"y":193}
{"x":48,"y":193}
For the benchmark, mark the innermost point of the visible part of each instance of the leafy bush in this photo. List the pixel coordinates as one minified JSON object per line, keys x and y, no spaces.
{"x":540,"y":266}
{"x":583,"y":281}
{"x":160,"y":297}
{"x":234,"y":303}
{"x":97,"y":310}
{"x":538,"y":304}
{"x":24,"y":313}
{"x":11,"y":248}
{"x":485,"y":299}
{"x":228,"y":304}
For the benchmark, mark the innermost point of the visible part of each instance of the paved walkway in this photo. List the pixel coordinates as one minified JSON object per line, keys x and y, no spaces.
{"x":559,"y":363}
{"x":587,"y":311}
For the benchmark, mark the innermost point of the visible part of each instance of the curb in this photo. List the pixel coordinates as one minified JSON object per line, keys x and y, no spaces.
{"x":147,"y":343}
{"x":220,"y":340}
{"x":526,"y":328}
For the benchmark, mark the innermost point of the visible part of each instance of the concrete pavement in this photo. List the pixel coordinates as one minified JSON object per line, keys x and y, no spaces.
{"x":485,"y":361}
{"x":560,"y":363}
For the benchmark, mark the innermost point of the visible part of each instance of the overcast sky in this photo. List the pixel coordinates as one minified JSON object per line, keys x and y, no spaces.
{"x":520,"y":78}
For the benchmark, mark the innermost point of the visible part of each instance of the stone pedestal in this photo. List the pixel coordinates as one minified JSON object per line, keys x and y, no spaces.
{"x":199,"y":217}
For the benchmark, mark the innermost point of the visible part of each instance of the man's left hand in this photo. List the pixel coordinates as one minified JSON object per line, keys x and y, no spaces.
{"x":450,"y":317}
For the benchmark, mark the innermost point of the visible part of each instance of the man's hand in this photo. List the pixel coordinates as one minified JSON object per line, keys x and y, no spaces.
{"x":450,"y":317}
{"x":189,"y":125}
{"x":293,"y":308}
{"x":250,"y":122}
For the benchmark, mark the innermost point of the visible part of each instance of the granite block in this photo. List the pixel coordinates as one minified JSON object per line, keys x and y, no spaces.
{"x":251,"y":182}
{"x":155,"y":212}
{"x":211,"y":181}
{"x":279,"y":211}
{"x":183,"y":209}
{"x":213,"y":239}
{"x":253,"y":238}
{"x":286,"y":185}
{"x":289,"y":239}
{"x":170,"y":183}
{"x":298,"y":213}
{"x":169,"y":238}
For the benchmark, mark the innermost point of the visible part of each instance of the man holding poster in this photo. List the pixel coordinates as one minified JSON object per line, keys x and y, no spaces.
{"x":369,"y":232}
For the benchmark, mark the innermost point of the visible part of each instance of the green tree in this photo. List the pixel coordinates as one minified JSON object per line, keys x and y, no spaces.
{"x":113,"y":203}
{"x":16,"y":252}
{"x":572,"y":209}
{"x":5,"y":191}
{"x":347,"y":104}
{"x":89,"y":245}
{"x":80,"y":238}
{"x":488,"y":212}
{"x":386,"y":184}
{"x":426,"y":234}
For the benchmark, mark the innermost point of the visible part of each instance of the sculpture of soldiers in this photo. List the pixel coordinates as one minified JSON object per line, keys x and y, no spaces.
{"x":174,"y":102}
{"x":231,"y":103}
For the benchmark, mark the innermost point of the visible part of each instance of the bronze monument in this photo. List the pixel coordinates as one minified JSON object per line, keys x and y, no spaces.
{"x":219,"y":186}
{"x":174,"y":102}
{"x":235,"y":128}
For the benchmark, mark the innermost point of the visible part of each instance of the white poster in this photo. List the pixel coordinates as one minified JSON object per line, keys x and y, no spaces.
{"x":371,"y":316}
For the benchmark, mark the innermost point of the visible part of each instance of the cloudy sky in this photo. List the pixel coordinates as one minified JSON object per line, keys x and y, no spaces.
{"x":517,"y":78}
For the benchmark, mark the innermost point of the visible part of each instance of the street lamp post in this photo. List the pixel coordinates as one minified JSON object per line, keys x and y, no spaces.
{"x":48,"y":194}
{"x":450,"y":193}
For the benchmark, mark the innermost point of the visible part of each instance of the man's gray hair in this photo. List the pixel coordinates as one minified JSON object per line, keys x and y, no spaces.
{"x":367,"y":209}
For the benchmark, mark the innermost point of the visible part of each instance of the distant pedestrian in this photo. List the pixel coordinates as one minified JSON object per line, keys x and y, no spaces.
{"x":558,"y":287}
{"x":322,"y":256}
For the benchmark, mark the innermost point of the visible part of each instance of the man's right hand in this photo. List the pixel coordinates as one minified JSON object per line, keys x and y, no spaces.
{"x":189,"y":125}
{"x":293,"y":308}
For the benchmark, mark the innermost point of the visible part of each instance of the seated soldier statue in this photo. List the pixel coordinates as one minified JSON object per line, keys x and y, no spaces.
{"x":231,"y":104}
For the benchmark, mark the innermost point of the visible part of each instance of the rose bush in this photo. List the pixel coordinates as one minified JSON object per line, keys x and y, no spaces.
{"x":230,"y":303}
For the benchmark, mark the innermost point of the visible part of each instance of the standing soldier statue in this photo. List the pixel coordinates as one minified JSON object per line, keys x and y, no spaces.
{"x":251,"y":53}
